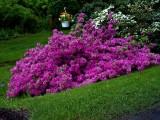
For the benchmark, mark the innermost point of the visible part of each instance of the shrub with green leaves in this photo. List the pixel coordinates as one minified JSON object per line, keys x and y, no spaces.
{"x":22,"y":16}
{"x":39,"y":7}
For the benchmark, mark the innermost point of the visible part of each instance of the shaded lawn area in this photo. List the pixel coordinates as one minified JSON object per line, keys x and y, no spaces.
{"x":13,"y":49}
{"x":110,"y":99}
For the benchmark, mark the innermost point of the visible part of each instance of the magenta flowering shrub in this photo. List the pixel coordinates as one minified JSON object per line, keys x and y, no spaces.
{"x":69,"y":61}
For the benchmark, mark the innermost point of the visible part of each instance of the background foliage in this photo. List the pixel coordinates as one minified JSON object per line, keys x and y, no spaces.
{"x":21,"y":16}
{"x":146,"y":13}
{"x":30,"y":16}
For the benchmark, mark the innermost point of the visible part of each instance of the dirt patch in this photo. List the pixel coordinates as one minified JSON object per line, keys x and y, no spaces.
{"x":152,"y":114}
{"x":7,"y":114}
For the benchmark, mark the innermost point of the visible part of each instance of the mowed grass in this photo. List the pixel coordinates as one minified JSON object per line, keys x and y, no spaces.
{"x":110,"y":99}
{"x":4,"y":77}
{"x":14,"y":49}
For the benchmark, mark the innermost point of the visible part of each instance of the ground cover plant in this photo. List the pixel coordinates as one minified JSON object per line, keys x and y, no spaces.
{"x":70,"y":61}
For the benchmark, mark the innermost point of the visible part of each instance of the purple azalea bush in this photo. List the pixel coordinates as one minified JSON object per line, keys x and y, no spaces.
{"x":86,"y":56}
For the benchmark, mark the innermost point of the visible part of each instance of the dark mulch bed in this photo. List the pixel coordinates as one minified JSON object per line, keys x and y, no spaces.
{"x":152,"y":114}
{"x":7,"y":114}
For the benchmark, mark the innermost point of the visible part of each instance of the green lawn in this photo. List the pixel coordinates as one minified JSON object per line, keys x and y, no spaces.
{"x":111,"y":99}
{"x":14,"y":49}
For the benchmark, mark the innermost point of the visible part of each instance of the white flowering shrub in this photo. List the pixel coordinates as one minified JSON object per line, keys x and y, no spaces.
{"x":122,"y":19}
{"x":137,"y":18}
{"x":102,"y":16}
{"x":126,"y":21}
{"x":142,"y":5}
{"x":147,"y":14}
{"x":141,"y":20}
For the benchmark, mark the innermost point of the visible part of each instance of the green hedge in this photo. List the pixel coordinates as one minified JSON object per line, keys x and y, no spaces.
{"x":21,"y":16}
